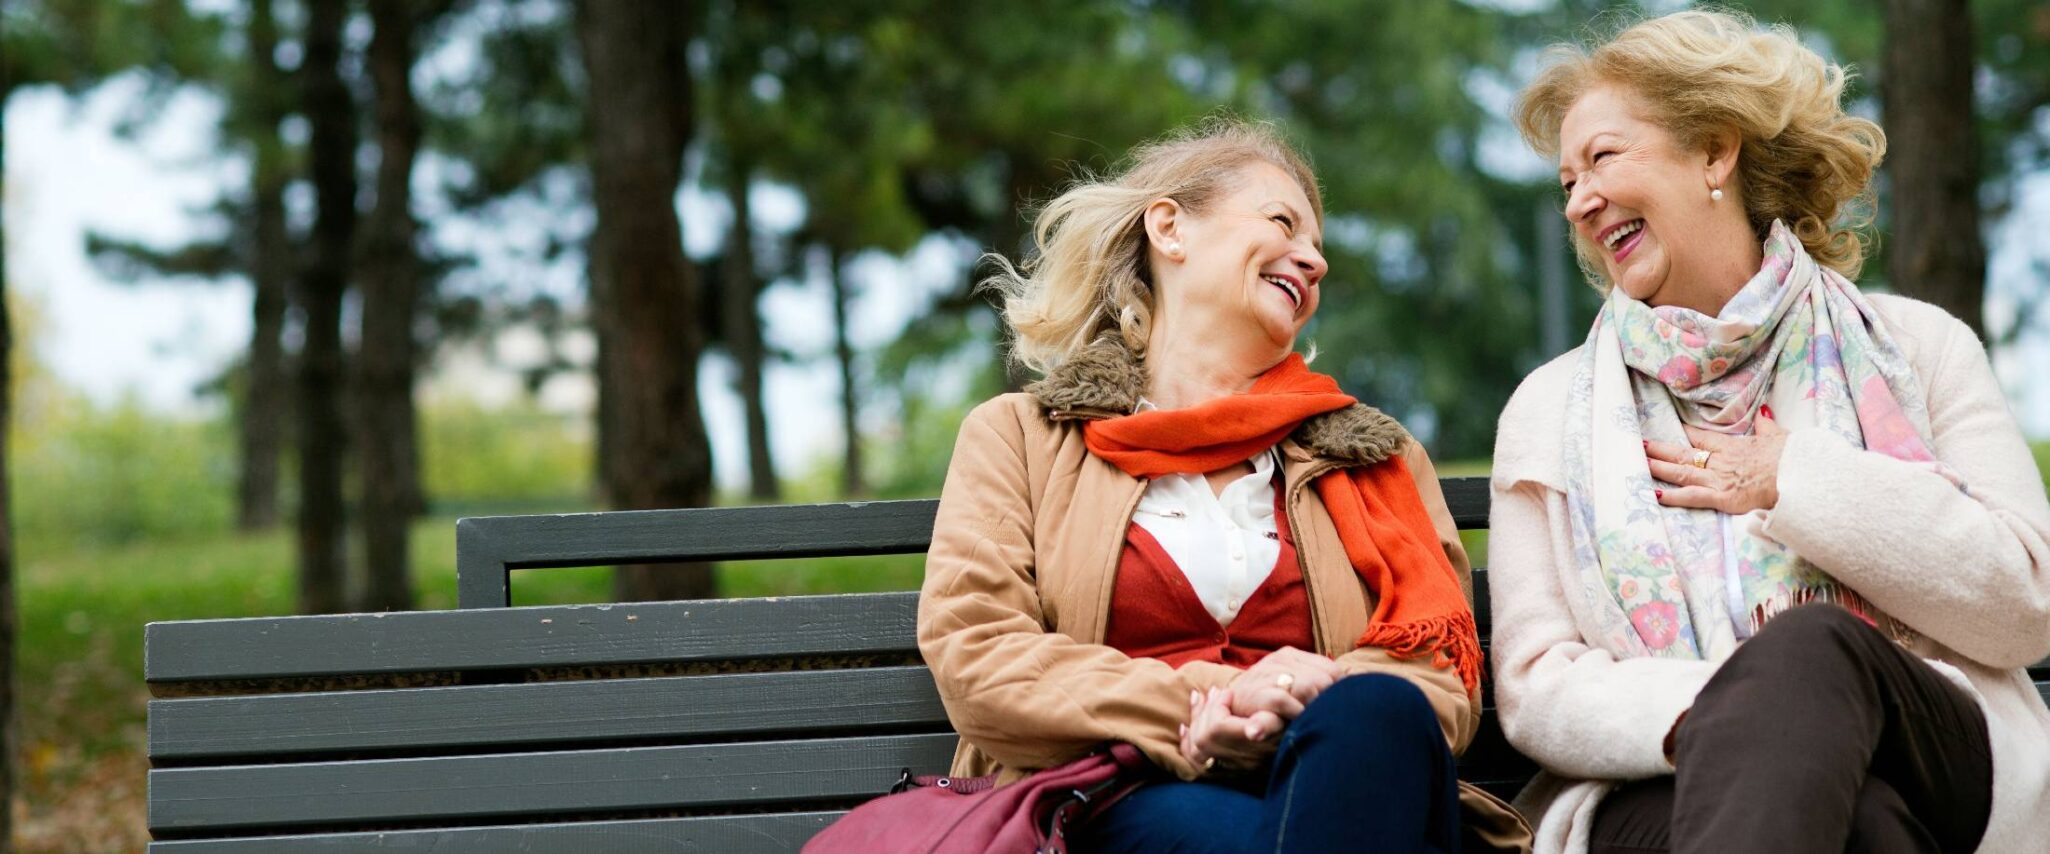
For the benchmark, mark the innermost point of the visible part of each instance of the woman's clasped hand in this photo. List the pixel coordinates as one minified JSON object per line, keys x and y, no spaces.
{"x":1235,"y":726}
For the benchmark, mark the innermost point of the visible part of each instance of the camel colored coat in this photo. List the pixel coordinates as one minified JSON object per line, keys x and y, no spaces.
{"x":1025,"y":549}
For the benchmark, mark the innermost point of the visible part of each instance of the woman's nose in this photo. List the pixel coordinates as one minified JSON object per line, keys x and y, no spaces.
{"x":1312,"y":263}
{"x":1583,"y":203}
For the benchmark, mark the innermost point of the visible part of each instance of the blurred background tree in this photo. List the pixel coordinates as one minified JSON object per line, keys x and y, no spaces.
{"x":538,"y":255}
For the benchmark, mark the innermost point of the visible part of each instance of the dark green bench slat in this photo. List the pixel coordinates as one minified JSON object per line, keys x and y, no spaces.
{"x":765,"y":834}
{"x":704,"y":533}
{"x":546,"y":712}
{"x":1483,"y":609}
{"x":539,"y":784}
{"x":546,"y":636}
{"x":1490,"y":759}
{"x":552,"y":636}
{"x":1467,"y":498}
{"x":489,"y":547}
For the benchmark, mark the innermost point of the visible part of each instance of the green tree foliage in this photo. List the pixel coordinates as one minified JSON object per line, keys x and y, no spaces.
{"x":899,"y":121}
{"x":1429,"y":310}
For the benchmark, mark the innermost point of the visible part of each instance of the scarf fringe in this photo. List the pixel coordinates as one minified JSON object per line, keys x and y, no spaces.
{"x":1449,"y":639}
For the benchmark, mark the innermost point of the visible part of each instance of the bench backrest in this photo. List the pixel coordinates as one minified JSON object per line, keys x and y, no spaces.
{"x":489,"y":549}
{"x":723,"y":725}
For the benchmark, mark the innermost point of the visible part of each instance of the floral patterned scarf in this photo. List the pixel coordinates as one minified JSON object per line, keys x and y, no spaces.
{"x":1798,"y":336}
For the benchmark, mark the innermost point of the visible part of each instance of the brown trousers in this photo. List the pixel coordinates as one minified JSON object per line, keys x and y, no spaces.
{"x":1817,"y":735}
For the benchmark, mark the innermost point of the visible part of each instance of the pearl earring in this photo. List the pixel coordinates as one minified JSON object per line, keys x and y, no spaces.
{"x":1715,"y":195}
{"x":1174,"y":249}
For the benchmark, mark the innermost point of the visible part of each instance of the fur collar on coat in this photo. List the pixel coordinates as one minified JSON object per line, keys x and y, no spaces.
{"x":1105,"y":380}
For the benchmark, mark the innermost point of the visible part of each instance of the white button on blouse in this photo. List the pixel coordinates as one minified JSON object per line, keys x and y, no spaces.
{"x":1225,"y":542}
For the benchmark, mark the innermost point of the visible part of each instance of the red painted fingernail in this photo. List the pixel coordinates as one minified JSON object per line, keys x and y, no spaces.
{"x":1646,"y":443}
{"x":1767,"y":409}
{"x":1658,"y":493}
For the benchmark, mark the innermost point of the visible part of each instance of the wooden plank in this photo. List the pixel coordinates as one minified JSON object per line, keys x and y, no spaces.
{"x":766,"y":833}
{"x":1490,"y":758}
{"x":488,"y":548}
{"x":423,"y":641}
{"x":1483,"y":609}
{"x":709,"y":533}
{"x":483,"y":580}
{"x":546,"y":636}
{"x":691,"y":534}
{"x":540,"y":784}
{"x":754,"y":704}
{"x":1467,"y":497}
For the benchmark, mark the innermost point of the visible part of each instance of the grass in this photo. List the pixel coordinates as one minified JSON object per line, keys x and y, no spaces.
{"x":82,"y":614}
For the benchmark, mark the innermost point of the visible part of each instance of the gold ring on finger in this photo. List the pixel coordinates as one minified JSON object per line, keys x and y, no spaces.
{"x":1209,"y":762}
{"x":1699,"y":460}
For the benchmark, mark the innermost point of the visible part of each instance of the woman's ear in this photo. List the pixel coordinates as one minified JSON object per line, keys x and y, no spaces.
{"x":1723,"y":149}
{"x":1163,"y":228}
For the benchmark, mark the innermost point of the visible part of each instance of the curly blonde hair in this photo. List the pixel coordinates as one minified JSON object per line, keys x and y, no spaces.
{"x":1089,"y":273}
{"x":1701,"y":73}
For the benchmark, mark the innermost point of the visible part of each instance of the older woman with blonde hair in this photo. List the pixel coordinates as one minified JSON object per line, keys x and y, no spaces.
{"x":1769,"y":553}
{"x":1183,"y":539}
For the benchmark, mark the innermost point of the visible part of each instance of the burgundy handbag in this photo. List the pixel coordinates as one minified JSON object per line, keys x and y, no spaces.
{"x":943,"y":815}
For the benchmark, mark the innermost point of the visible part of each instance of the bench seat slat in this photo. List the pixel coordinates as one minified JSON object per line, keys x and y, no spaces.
{"x":543,"y":712}
{"x":547,"y":636}
{"x":766,"y":833}
{"x":537,"y":784}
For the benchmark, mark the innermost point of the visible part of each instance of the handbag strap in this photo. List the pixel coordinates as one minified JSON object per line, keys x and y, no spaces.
{"x":1081,"y":806}
{"x":907,"y":781}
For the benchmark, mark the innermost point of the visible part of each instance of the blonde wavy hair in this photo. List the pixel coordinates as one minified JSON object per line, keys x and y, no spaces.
{"x":1088,"y":273}
{"x":1701,"y":73}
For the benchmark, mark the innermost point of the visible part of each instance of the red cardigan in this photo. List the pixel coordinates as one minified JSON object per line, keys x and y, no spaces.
{"x":1155,"y":613}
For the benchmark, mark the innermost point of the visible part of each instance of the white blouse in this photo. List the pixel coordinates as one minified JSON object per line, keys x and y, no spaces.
{"x":1225,"y":542}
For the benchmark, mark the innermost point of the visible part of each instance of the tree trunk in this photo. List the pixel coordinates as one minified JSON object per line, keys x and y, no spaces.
{"x":331,"y":117}
{"x":7,"y":633}
{"x":602,"y":441}
{"x":264,"y":400}
{"x":390,"y":284}
{"x":744,"y":331}
{"x":644,"y":292}
{"x":1925,"y":81}
{"x":852,"y":484}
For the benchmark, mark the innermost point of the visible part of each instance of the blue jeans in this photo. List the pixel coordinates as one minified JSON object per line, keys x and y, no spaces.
{"x":1365,"y":768}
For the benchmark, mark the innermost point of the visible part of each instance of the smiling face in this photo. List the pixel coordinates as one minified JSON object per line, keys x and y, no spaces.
{"x":1245,"y":272}
{"x":1641,"y":209}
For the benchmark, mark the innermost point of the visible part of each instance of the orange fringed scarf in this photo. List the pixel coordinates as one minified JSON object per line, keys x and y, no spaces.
{"x":1387,"y":532}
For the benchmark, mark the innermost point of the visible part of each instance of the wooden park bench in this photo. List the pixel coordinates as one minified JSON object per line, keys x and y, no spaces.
{"x":727,"y":725}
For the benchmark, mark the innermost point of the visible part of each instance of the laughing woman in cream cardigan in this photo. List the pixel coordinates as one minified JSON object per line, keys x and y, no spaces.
{"x":1769,"y":552}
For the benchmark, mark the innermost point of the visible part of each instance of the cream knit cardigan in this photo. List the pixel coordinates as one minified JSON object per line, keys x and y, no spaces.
{"x":1970,"y":571}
